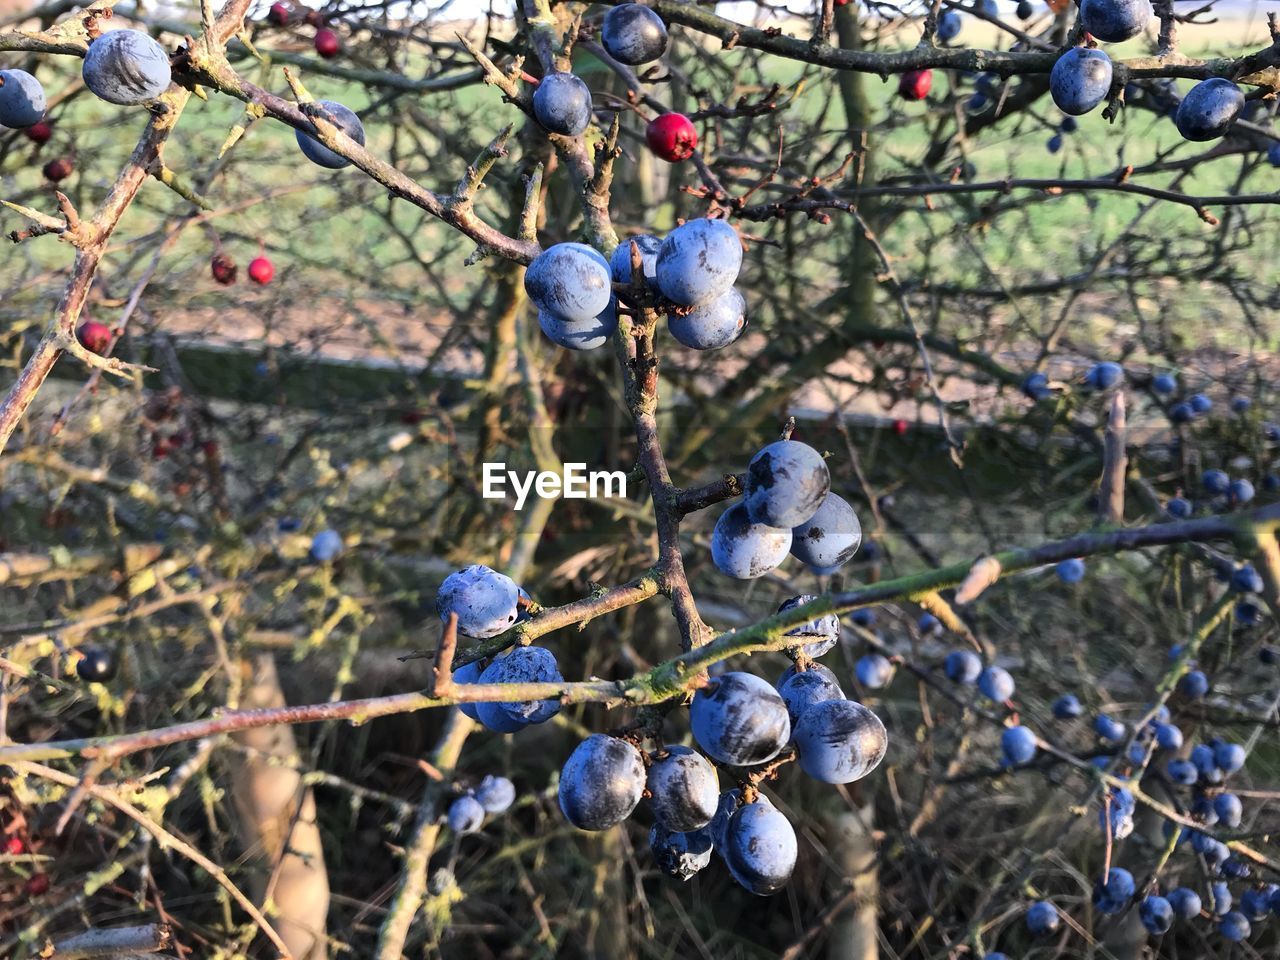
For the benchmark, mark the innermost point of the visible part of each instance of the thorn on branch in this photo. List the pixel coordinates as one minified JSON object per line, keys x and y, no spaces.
{"x":233,"y":137}
{"x":1115,"y":463}
{"x":532,"y":200}
{"x":300,"y":92}
{"x":607,"y":150}
{"x":127,"y":371}
{"x":78,"y":795}
{"x":984,"y":572}
{"x":478,"y":255}
{"x":930,"y":25}
{"x":206,"y":21}
{"x":431,"y":770}
{"x":171,"y":180}
{"x":571,"y":36}
{"x":68,"y":211}
{"x":70,"y":229}
{"x":1115,"y":104}
{"x":506,"y":82}
{"x":528,"y":605}
{"x":92,"y":28}
{"x":473,"y":179}
{"x":442,"y":672}
{"x":637,"y":269}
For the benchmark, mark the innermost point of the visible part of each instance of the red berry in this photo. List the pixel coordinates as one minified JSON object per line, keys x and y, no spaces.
{"x":59,"y":169}
{"x":14,"y":846}
{"x":672,"y":137}
{"x":278,"y":14}
{"x":94,"y":337}
{"x":223,"y":269}
{"x":37,"y":884}
{"x":841,"y":3}
{"x":900,"y":427}
{"x":915,"y":84}
{"x":39,"y":132}
{"x":261,"y":271}
{"x":327,"y":43}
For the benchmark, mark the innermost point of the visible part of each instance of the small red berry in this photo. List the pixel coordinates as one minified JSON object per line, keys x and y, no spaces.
{"x":278,"y":14}
{"x":841,"y":3}
{"x":261,"y":270}
{"x":59,"y":169}
{"x":671,"y":136}
{"x":223,"y":269}
{"x":94,"y":337}
{"x":327,"y":43}
{"x":39,"y":132}
{"x":37,"y":884}
{"x":14,"y":847}
{"x":915,"y":84}
{"x":900,"y":427}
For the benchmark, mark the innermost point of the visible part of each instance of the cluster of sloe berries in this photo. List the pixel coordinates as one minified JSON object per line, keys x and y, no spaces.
{"x":632,"y":34}
{"x":1082,"y":77}
{"x":693,"y":271}
{"x":125,"y":67}
{"x":737,"y":719}
{"x":487,"y":603}
{"x":1205,"y":770}
{"x":787,"y":507}
{"x":129,"y":68}
{"x":1221,"y":490}
{"x":491,"y":797}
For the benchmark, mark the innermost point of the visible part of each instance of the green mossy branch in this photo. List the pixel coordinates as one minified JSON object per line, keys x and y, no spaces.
{"x":676,"y":677}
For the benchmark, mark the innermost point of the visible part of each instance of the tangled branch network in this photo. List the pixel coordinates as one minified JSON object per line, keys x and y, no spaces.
{"x":597,"y":292}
